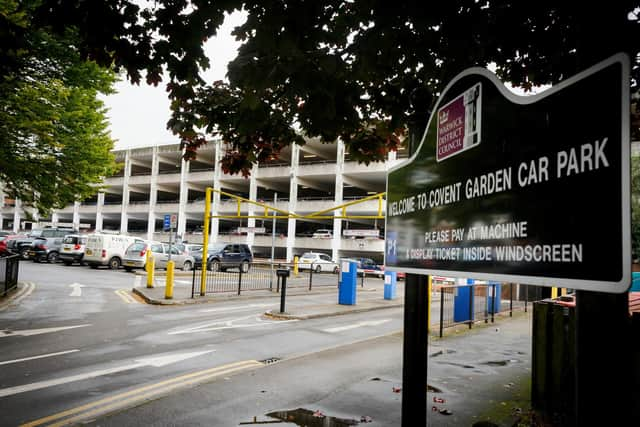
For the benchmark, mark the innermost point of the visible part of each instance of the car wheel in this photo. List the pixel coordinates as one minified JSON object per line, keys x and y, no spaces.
{"x":52,"y":257}
{"x":213,"y":265}
{"x":24,"y":253}
{"x":244,"y":266}
{"x":186,"y":266}
{"x":114,"y":263}
{"x":336,"y":270}
{"x":318,"y":269}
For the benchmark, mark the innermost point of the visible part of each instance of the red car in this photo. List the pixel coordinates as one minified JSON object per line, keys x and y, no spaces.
{"x":4,"y":240}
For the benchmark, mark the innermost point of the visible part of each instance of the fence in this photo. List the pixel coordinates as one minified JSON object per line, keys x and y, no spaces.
{"x":9,"y":273}
{"x":462,"y":304}
{"x":258,"y":276}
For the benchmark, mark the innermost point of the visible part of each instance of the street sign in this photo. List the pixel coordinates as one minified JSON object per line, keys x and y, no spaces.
{"x":166,"y":225}
{"x":174,"y":221}
{"x":530,"y":190}
{"x":256,"y":230}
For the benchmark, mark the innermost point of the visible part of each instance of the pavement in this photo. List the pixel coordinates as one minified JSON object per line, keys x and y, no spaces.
{"x":475,"y":375}
{"x":478,"y":376}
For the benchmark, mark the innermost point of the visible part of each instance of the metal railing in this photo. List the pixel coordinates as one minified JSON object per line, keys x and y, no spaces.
{"x":234,"y":277}
{"x":9,"y":273}
{"x":481,"y":304}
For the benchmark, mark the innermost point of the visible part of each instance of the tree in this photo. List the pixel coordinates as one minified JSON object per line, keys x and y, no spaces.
{"x":54,"y":142}
{"x":360,"y":70}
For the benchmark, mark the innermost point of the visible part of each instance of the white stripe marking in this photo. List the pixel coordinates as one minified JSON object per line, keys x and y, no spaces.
{"x":357,"y":325}
{"x":29,"y":332}
{"x":42,"y":356}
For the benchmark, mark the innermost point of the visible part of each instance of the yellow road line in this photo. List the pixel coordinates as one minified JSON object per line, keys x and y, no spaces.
{"x":141,"y":393}
{"x":124,"y":295}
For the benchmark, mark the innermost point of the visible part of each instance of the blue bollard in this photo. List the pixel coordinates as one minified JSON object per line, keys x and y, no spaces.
{"x":390,"y":279}
{"x":348,"y":278}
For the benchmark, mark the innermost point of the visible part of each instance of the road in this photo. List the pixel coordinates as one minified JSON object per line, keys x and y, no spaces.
{"x":81,"y":345}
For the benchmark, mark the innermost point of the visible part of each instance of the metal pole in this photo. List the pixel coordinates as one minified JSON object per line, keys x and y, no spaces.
{"x":283,"y":294}
{"x":273,"y":240}
{"x":510,"y":299}
{"x":493,"y":302}
{"x":205,"y":241}
{"x":441,"y":310}
{"x":414,"y":353}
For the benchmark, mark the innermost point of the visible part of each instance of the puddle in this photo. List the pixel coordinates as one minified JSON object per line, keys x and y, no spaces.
{"x":308,"y":418}
{"x":441,"y":352}
{"x":500,"y":362}
{"x":461,"y":365}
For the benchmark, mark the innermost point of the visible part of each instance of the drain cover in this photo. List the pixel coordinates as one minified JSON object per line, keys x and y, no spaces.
{"x":270,"y":360}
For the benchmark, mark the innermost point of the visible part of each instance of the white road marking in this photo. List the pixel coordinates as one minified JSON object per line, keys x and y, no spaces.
{"x":234,"y":308}
{"x":42,"y":356}
{"x":29,"y":332}
{"x":357,"y":325}
{"x":230,"y":324}
{"x":155,"y":361}
{"x":77,"y":289}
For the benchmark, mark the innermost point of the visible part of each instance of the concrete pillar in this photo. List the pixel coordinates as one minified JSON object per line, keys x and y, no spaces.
{"x":251,"y":209}
{"x":293,"y":199}
{"x":124,"y":217}
{"x":99,"y":207}
{"x":76,"y":215}
{"x":217,"y":175}
{"x":184,"y":197}
{"x":336,"y":241}
{"x":153,"y":194}
{"x":16,"y":215}
{"x":54,"y":219}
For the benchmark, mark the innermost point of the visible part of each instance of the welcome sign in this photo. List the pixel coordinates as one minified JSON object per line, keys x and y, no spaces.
{"x":530,"y":189}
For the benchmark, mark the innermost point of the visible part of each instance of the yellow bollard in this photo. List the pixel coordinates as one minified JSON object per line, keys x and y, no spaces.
{"x":554,"y":293}
{"x":150,"y":271}
{"x":295,"y":266}
{"x":168,"y":290}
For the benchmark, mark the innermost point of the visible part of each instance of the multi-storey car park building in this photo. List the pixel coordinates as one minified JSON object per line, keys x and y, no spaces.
{"x":156,"y":181}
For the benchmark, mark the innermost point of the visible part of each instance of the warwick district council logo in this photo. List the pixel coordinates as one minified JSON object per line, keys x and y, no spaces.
{"x":459,"y":123}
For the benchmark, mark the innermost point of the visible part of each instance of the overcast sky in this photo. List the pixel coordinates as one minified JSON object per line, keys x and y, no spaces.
{"x":139,"y":114}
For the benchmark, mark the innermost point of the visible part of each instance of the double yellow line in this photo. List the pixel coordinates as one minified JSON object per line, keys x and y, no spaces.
{"x":135,"y":396}
{"x":126,"y":296}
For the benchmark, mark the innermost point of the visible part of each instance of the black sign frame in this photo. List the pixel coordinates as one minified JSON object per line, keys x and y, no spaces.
{"x":504,"y":172}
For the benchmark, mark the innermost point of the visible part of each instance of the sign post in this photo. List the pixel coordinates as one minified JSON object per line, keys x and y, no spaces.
{"x":518,"y":189}
{"x":532,"y":190}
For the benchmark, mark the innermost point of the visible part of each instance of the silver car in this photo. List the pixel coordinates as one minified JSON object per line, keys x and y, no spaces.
{"x":136,"y":256}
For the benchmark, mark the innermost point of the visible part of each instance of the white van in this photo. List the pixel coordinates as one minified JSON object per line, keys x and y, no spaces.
{"x":107,"y":249}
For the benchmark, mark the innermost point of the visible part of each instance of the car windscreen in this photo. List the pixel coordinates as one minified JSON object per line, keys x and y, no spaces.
{"x":308,"y":255}
{"x":70,"y":239}
{"x":218,"y":247}
{"x":137,"y":247}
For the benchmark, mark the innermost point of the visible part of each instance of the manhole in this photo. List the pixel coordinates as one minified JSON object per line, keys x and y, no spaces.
{"x":270,"y":360}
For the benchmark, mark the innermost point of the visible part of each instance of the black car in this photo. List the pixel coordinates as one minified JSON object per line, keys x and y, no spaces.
{"x":223,"y":256}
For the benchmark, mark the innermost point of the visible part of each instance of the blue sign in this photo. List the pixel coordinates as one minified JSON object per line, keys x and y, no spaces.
{"x":166,"y":226}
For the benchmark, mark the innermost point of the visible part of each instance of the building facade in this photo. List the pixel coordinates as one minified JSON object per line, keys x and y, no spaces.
{"x":155,"y":181}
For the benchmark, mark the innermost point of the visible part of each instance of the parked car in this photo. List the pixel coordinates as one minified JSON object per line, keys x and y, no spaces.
{"x":136,"y":256}
{"x":322,"y":234}
{"x":6,"y":242}
{"x":318,"y":262}
{"x":367,"y":266}
{"x":23,"y":244}
{"x":72,"y":249}
{"x":222,"y":256}
{"x":45,"y":249}
{"x":188,"y":248}
{"x":107,"y":249}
